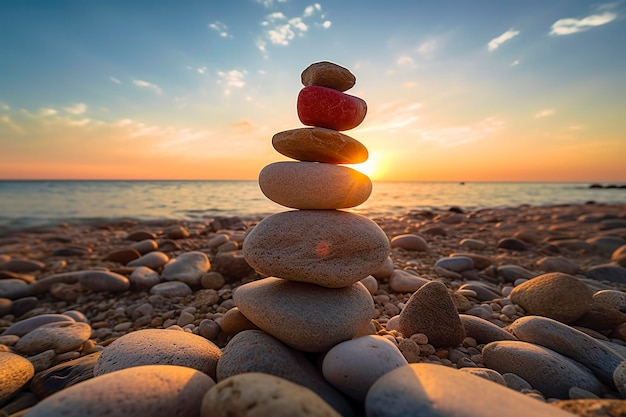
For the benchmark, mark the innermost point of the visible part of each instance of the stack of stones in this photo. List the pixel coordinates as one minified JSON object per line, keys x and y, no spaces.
{"x":315,"y":256}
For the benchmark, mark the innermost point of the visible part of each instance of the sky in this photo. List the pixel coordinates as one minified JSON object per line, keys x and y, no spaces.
{"x":484,"y":90}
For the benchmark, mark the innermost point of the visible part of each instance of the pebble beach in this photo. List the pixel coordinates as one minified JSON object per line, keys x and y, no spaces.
{"x":80,"y":302}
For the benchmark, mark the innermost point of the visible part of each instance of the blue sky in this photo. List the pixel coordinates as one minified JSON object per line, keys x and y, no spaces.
{"x":481,"y":90}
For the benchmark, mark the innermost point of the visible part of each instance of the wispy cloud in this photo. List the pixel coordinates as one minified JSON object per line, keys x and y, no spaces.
{"x":281,"y":30}
{"x":405,"y":61}
{"x":145,"y":84}
{"x":5,"y":106}
{"x":115,"y":80}
{"x":496,"y":42}
{"x":392,"y":115}
{"x":544,"y":113}
{"x":269,"y":3}
{"x":44,"y":111}
{"x":201,"y":70}
{"x":220,"y":28}
{"x":79,"y":108}
{"x":569,"y":26}
{"x":232,"y":78}
{"x":515,"y":63}
{"x":14,"y":126}
{"x":460,"y":135}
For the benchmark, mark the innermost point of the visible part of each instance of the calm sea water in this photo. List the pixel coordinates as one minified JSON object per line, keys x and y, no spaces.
{"x":33,"y":203}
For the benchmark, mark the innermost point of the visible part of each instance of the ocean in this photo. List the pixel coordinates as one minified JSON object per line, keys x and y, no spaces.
{"x":25,"y":204}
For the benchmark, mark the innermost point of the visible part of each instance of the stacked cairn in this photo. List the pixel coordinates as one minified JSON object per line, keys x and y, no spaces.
{"x":315,"y":256}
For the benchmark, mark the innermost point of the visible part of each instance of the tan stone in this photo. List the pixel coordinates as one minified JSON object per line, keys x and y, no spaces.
{"x":313,"y":185}
{"x":324,"y":247}
{"x":328,"y":74}
{"x":317,"y":144}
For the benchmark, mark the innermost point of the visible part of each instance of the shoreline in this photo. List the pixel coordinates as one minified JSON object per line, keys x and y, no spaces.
{"x":507,"y":246}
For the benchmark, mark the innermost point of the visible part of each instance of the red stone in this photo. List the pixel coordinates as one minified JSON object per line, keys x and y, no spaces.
{"x":332,"y":109}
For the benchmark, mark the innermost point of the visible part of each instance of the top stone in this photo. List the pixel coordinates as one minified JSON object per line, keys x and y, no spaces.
{"x":328,"y":74}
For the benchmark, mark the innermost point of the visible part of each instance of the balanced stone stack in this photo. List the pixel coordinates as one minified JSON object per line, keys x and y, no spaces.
{"x":316,"y":255}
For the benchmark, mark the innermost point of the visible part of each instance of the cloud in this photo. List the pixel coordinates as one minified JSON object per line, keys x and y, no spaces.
{"x":461,"y":135}
{"x":220,"y":28}
{"x":406,"y":62}
{"x":570,"y":26}
{"x":47,"y":111}
{"x":201,"y":70}
{"x":281,"y":30}
{"x":428,"y":47}
{"x":496,"y":42}
{"x":232,"y":78}
{"x":269,"y":3}
{"x":515,"y":63}
{"x":115,"y":80}
{"x":80,"y":108}
{"x":14,"y":126}
{"x":145,"y":84}
{"x":5,"y":106}
{"x":392,"y":115}
{"x":544,"y":113}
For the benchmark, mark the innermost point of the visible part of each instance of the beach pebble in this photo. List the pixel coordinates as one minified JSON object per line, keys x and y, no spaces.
{"x":97,"y":280}
{"x":329,"y":108}
{"x":416,"y":389}
{"x":212,"y":280}
{"x":256,"y":351}
{"x":619,"y":377}
{"x":354,"y":365}
{"x":409,"y":242}
{"x":123,"y":255}
{"x":152,"y":260}
{"x":456,"y":263}
{"x":317,"y":144}
{"x":546,"y":370}
{"x":6,"y":306}
{"x":171,"y":289}
{"x":385,"y":269}
{"x":606,"y":245}
{"x":231,"y":265}
{"x":150,"y":390}
{"x":485,"y":373}
{"x":139,"y":235}
{"x":144,"y":278}
{"x":15,"y":372}
{"x":512,"y":244}
{"x":403,"y":281}
{"x":257,"y":394}
{"x":484,"y":292}
{"x":159,"y":346}
{"x":555,"y":295}
{"x":63,"y":375}
{"x":593,"y":407}
{"x":233,"y":322}
{"x":328,"y":74}
{"x":472,"y":244}
{"x":314,"y":185}
{"x":570,"y":342}
{"x":20,"y":265}
{"x":25,"y":326}
{"x":145,"y":246}
{"x":483,"y":331}
{"x":370,"y":283}
{"x":619,"y":256}
{"x":61,"y":336}
{"x":176,"y":232}
{"x":430,"y":311}
{"x":558,"y":264}
{"x":188,"y":267}
{"x":480,"y":262}
{"x":611,"y":273}
{"x":324,"y":247}
{"x":516,"y":382}
{"x":13,"y":288}
{"x":511,"y":273}
{"x":305,"y":316}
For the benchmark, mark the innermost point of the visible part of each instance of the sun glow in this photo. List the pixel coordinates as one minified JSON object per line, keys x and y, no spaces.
{"x":374,"y":167}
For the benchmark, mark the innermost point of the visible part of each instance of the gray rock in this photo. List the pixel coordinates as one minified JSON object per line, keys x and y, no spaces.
{"x":159,"y":347}
{"x":153,"y":260}
{"x":409,"y":242}
{"x":305,"y":316}
{"x":97,"y":280}
{"x":150,"y":390}
{"x":417,"y":390}
{"x":484,"y":331}
{"x":611,"y":273}
{"x":558,"y":264}
{"x":61,"y":336}
{"x":569,"y":342}
{"x":188,"y":267}
{"x":256,"y":351}
{"x":456,"y":263}
{"x":430,"y":311}
{"x":325,"y":247}
{"x":171,"y":289}
{"x":144,"y":278}
{"x":13,"y":288}
{"x":24,"y":326}
{"x":511,"y":273}
{"x":546,"y":370}
{"x":403,"y":281}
